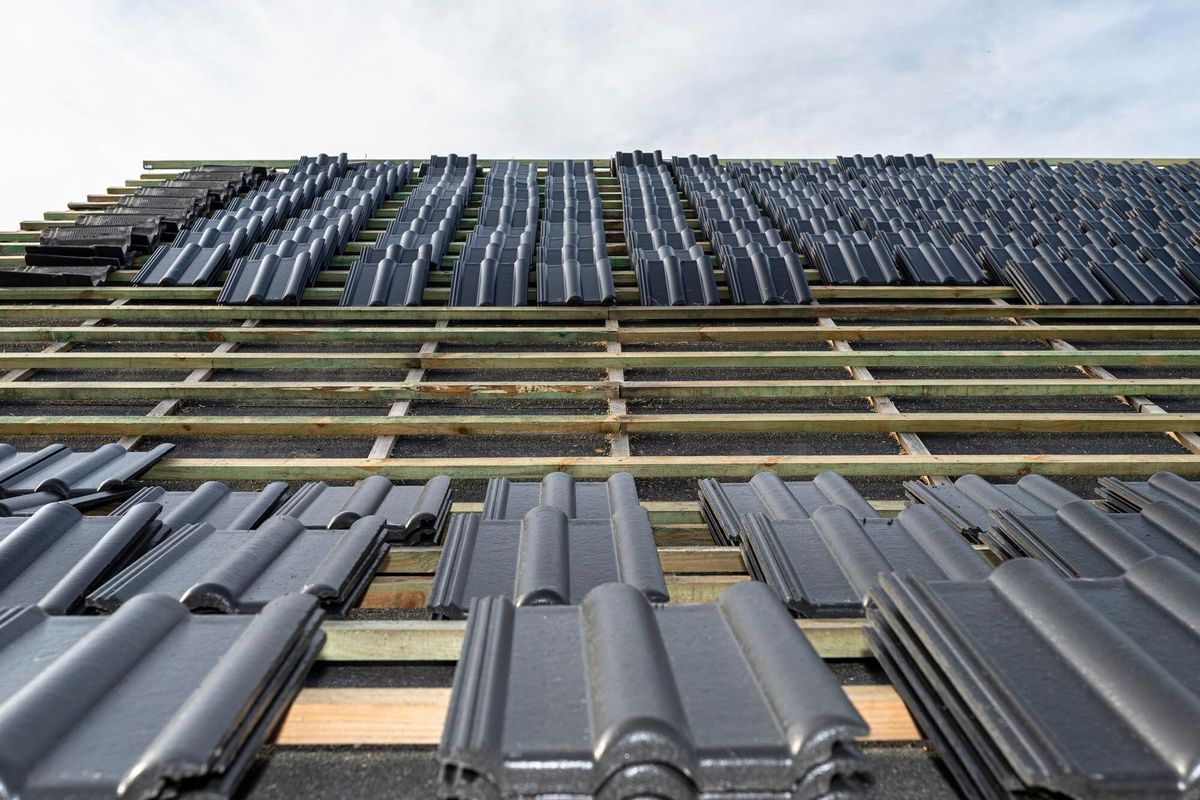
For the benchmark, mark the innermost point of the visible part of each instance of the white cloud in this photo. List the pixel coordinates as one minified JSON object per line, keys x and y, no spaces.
{"x":93,"y":88}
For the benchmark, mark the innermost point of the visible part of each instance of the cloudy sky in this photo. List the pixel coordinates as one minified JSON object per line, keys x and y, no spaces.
{"x":92,"y":88}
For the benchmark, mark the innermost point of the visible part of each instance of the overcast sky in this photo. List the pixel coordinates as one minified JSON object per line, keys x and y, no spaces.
{"x":94,"y":88}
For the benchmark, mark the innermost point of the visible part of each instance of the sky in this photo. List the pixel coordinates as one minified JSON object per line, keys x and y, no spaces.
{"x":93,"y":88}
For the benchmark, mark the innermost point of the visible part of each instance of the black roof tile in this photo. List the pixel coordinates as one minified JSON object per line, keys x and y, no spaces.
{"x":1121,"y":495}
{"x":147,"y":702}
{"x":212,"y":502}
{"x":413,"y":514}
{"x":388,"y":282}
{"x":1083,"y":688}
{"x":505,"y":499}
{"x":241,"y":571}
{"x":544,"y":558}
{"x":70,"y":474}
{"x":968,"y":502}
{"x":56,"y":556}
{"x":1085,"y":542}
{"x":724,"y":504}
{"x":724,"y":700}
{"x":824,"y":566}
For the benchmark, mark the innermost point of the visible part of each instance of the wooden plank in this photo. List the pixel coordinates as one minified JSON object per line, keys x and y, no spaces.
{"x":430,"y":640}
{"x":563,"y":424}
{"x":680,"y":560}
{"x":413,"y":591}
{"x":618,"y":440}
{"x":383,"y":444}
{"x":330,"y":717}
{"x":655,"y":334}
{"x":315,"y":390}
{"x":166,"y":408}
{"x":910,"y":443}
{"x":1008,"y":465}
{"x":502,"y":391}
{"x":596,"y":360}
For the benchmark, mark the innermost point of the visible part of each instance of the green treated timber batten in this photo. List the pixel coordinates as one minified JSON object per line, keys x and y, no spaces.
{"x":584,"y":360}
{"x":723,"y":466}
{"x":429,"y":640}
{"x":596,"y":333}
{"x":548,"y":335}
{"x":291,"y":392}
{"x":562,"y":424}
{"x":500,"y":391}
{"x":684,"y":314}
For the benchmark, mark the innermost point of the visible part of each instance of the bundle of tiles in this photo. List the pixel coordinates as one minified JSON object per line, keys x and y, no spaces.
{"x":1030,"y":683}
{"x":760,"y":266}
{"x":1071,"y":233}
{"x":547,"y":543}
{"x":211,"y":245}
{"x":671,"y":266}
{"x":494,"y":265}
{"x":85,"y":252}
{"x":278,"y":270}
{"x":394,"y":269}
{"x":573,"y":267}
{"x":637,"y":700}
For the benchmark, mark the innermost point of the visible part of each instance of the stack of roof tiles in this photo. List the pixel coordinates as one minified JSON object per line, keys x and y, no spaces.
{"x":494,"y":265}
{"x":154,"y":700}
{"x":334,"y":203}
{"x":1075,"y":233}
{"x":672,"y":268}
{"x":85,"y":252}
{"x":1034,"y":684}
{"x":394,"y":271}
{"x":572,"y":256}
{"x":634,"y":700}
{"x":551,"y":550}
{"x":760,"y":266}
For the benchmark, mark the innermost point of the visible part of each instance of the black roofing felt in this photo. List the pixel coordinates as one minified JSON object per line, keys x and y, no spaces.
{"x":824,"y":566}
{"x":1017,"y":705}
{"x":724,"y":504}
{"x":241,"y":571}
{"x":147,"y":701}
{"x":544,"y":558}
{"x":724,"y":700}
